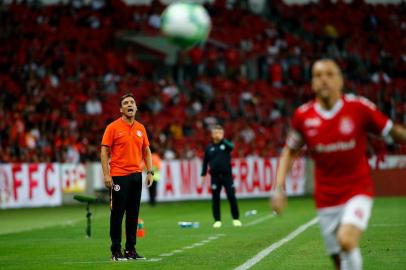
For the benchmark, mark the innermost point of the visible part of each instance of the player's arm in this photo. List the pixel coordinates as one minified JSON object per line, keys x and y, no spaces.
{"x":398,"y":133}
{"x":291,"y":150}
{"x":378,"y":121}
{"x":147,"y":156}
{"x":286,"y":160}
{"x":104,"y":157}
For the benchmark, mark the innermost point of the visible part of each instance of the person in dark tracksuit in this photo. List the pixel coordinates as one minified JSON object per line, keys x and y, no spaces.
{"x":156,"y":167}
{"x":217,"y":157}
{"x":125,"y":141}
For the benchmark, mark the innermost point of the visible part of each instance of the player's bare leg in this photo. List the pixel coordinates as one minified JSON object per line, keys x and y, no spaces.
{"x":348,"y":237}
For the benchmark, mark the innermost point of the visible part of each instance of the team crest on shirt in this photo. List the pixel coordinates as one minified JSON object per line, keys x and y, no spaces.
{"x":346,"y":126}
{"x":116,"y":187}
{"x":222,"y":147}
{"x":139,"y":133}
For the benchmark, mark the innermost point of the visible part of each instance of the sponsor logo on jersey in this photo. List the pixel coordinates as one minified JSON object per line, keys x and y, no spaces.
{"x":335,"y":147}
{"x":139,"y":133}
{"x":312,"y":122}
{"x":212,"y":149}
{"x":346,"y":126}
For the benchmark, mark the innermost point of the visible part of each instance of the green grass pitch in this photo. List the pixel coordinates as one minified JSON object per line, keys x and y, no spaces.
{"x":54,"y":238}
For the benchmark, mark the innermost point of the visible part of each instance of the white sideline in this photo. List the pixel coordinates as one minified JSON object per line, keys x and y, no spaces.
{"x":197,"y":244}
{"x":259,"y":220}
{"x":265,"y":252}
{"x":163,"y":255}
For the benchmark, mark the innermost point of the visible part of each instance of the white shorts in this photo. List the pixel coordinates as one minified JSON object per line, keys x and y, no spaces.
{"x":355,"y":211}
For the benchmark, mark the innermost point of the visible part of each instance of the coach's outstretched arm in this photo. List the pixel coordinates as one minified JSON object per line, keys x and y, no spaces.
{"x":398,"y":133}
{"x":278,"y":200}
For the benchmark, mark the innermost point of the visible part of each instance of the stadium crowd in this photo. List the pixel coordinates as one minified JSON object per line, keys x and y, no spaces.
{"x":62,"y":73}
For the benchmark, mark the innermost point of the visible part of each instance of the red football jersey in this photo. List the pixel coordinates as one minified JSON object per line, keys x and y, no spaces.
{"x":337,"y":141}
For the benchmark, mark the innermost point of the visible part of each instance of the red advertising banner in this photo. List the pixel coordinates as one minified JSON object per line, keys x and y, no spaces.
{"x":253,"y":177}
{"x":30,"y":185}
{"x":73,"y":178}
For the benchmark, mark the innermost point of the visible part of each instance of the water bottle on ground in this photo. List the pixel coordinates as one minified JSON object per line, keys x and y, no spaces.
{"x":252,"y":212}
{"x":189,"y":224}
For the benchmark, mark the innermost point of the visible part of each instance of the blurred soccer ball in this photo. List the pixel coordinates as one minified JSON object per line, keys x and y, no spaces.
{"x":185,"y":24}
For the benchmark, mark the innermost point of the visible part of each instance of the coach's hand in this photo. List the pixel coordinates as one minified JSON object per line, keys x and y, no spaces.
{"x":278,"y":201}
{"x":149,"y":180}
{"x":108,"y":181}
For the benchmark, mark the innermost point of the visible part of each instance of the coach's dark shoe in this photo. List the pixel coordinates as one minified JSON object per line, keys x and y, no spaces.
{"x":118,"y":256}
{"x":133,"y":255}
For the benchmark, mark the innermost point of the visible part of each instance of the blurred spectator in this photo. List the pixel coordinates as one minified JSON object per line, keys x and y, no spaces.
{"x":247,"y":134}
{"x":72,"y":154}
{"x":94,"y":106}
{"x":53,"y":59}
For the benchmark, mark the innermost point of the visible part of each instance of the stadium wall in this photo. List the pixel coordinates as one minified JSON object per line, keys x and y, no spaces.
{"x":389,"y":182}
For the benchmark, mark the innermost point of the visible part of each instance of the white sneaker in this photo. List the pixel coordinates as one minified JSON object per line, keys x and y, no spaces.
{"x":217,"y":224}
{"x":237,"y":223}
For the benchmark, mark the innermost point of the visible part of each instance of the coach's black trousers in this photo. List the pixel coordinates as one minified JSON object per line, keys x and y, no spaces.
{"x":217,"y":182}
{"x":125,"y":198}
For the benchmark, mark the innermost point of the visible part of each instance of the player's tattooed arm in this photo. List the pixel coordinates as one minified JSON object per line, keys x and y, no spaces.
{"x":278,"y":199}
{"x":286,"y":160}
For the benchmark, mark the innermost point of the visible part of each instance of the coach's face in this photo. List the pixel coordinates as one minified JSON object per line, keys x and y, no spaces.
{"x":327,"y":81}
{"x":217,"y":134}
{"x":128,"y":107}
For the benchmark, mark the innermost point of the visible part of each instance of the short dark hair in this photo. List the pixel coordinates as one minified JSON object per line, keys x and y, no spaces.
{"x":126,"y":95}
{"x":216,"y":127}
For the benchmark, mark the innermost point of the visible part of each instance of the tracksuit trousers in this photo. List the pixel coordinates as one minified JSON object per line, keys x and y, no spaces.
{"x":125,"y":198}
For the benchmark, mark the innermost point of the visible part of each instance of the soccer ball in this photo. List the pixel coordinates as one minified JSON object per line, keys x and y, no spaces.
{"x":185,"y":24}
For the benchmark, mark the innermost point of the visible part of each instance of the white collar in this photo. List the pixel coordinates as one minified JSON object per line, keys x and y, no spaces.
{"x":329,"y":114}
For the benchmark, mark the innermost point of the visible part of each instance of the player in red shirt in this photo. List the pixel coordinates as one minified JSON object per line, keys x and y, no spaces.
{"x":334,"y":128}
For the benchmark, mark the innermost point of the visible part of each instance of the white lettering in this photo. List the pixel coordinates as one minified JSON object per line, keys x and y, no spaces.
{"x":335,"y":147}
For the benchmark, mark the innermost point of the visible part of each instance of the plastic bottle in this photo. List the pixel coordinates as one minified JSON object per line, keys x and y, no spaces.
{"x":189,"y":224}
{"x":251,"y":213}
{"x":196,"y":225}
